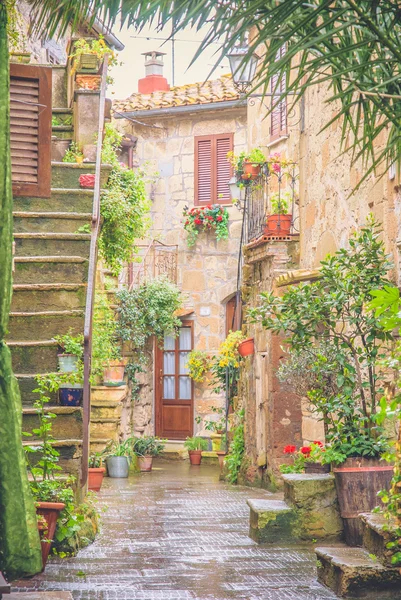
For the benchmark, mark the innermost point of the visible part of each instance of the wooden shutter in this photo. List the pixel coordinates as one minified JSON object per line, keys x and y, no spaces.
{"x":212,"y":169}
{"x":30,"y":129}
{"x":279,"y":113}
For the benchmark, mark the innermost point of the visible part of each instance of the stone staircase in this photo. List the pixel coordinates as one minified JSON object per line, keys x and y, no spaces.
{"x":49,"y":294}
{"x":364,"y":572}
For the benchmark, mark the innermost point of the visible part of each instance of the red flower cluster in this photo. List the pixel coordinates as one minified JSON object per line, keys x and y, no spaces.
{"x":290,"y":449}
{"x":306,"y":450}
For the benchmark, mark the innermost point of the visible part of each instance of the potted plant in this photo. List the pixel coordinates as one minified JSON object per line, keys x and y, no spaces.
{"x":113,"y":372}
{"x":88,"y":53}
{"x":308,"y":459}
{"x":70,"y":363}
{"x":247,"y":347}
{"x":195,"y":447}
{"x":279,"y":221}
{"x":96,"y":471}
{"x":146,"y":448}
{"x":117,"y":458}
{"x":252,"y":164}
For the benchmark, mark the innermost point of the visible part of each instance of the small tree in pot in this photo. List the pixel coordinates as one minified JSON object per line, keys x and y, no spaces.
{"x":146,"y":448}
{"x":195,"y":447}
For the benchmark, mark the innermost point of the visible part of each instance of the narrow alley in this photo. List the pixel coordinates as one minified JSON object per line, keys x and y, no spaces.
{"x":179,"y":534}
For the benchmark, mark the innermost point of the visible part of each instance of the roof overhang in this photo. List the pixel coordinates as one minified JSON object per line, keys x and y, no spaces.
{"x":108,"y":35}
{"x":177,"y":110}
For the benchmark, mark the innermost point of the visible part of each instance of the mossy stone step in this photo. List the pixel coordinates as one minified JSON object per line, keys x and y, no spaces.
{"x":52,"y":244}
{"x":23,"y":326}
{"x":67,"y":424}
{"x":104,"y":428}
{"x":50,"y":269}
{"x":27,"y":384}
{"x":63,"y":132}
{"x":270,"y":521}
{"x":52,"y":296}
{"x":70,"y":454}
{"x":66,"y":175}
{"x":353,"y":573}
{"x":34,"y":356}
{"x":377,"y":532}
{"x":62,"y":200}
{"x":34,"y":222}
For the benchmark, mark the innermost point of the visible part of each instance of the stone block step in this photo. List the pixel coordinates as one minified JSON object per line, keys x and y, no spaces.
{"x":67,"y":424}
{"x":70,"y":454}
{"x":48,"y":296}
{"x":377,"y":532}
{"x":104,"y":396}
{"x":50,"y":269}
{"x":353,"y":573}
{"x":34,"y":356}
{"x":66,"y":175}
{"x":52,"y":244}
{"x":27,"y":384}
{"x":270,"y":521}
{"x":62,"y":200}
{"x":104,"y":428}
{"x":63,"y":222}
{"x":63,"y":132}
{"x":44,"y":325}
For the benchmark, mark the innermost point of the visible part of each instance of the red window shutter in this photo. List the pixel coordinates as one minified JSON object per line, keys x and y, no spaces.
{"x":278,"y":115}
{"x":224,"y":144}
{"x":212,"y":169}
{"x":30,"y":129}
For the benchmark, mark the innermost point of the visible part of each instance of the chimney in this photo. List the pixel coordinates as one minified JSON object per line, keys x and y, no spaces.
{"x":153,"y":80}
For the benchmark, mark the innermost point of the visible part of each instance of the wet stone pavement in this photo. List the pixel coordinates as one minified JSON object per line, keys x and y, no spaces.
{"x":179,"y":534}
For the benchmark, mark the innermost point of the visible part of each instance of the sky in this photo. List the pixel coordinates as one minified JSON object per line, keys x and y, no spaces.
{"x":126,"y":76}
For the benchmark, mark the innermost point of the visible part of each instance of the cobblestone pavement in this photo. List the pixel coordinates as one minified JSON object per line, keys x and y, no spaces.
{"x":179,"y":534}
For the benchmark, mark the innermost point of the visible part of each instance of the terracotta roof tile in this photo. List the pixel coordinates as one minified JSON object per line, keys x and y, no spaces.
{"x":217,"y":90}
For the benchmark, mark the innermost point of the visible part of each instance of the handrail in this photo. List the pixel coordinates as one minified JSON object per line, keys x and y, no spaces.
{"x":90,"y":292}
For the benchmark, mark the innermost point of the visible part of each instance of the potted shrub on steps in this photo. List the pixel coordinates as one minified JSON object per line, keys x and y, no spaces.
{"x":146,"y":448}
{"x":195,"y":447}
{"x":96,"y":471}
{"x":70,"y":362}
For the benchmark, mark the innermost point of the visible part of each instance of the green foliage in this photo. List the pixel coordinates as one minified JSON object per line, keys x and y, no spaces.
{"x":73,"y":154}
{"x":106,"y":344}
{"x":280,"y":203}
{"x":218,"y":425}
{"x":198,"y":364}
{"x":124,"y":207}
{"x":195,"y":443}
{"x":95,"y":46}
{"x":146,"y":311}
{"x":148,"y":446}
{"x":255,"y":156}
{"x":71,"y":344}
{"x":236,"y":451}
{"x":115,"y":448}
{"x":95,"y":460}
{"x":333,"y":311}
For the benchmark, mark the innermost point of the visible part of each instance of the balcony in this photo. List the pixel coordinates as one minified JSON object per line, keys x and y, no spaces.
{"x":154,"y":260}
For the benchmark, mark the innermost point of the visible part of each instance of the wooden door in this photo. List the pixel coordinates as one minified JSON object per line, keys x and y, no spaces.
{"x":174,"y":388}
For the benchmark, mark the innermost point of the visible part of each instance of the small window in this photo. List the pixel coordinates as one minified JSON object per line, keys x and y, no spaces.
{"x":212,"y":169}
{"x":278,"y":125}
{"x":233,"y":314}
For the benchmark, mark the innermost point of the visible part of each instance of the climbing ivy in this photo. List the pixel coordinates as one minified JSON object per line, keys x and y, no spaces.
{"x":236,"y":452}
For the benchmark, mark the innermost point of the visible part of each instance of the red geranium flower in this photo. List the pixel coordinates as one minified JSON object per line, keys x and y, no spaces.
{"x":306,"y":450}
{"x":289,"y":449}
{"x":186,"y":222}
{"x":198,"y":221}
{"x":219,"y":218}
{"x":320,"y":444}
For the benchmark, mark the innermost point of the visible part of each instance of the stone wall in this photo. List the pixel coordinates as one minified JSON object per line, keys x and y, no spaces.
{"x":207,"y":272}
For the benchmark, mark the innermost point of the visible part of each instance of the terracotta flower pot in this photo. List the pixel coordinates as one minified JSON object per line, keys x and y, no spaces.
{"x":113,"y":373}
{"x":278,"y":225}
{"x":95,"y":478}
{"x":88,"y":82}
{"x":50,"y":511}
{"x":358,"y":482}
{"x":247,"y":347}
{"x":251,"y":170}
{"x":312,"y":467}
{"x":195,"y":456}
{"x":145,"y":463}
{"x":221,"y":455}
{"x":87,"y":181}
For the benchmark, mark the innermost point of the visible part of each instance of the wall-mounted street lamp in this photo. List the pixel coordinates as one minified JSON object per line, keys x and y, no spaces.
{"x":243,"y":72}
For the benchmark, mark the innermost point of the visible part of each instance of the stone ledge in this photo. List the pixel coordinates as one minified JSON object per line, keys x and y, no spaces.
{"x":270,"y":521}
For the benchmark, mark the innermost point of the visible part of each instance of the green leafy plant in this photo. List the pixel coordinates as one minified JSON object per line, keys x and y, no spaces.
{"x":148,"y":446}
{"x":195,"y":443}
{"x":199,"y":364}
{"x":95,"y":460}
{"x":73,"y":154}
{"x":116,"y":448}
{"x":96,"y":46}
{"x":236,"y":452}
{"x":71,"y":344}
{"x":280,"y":203}
{"x":213,"y":217}
{"x":255,"y":156}
{"x":106,"y":344}
{"x":333,"y":311}
{"x":219,"y":425}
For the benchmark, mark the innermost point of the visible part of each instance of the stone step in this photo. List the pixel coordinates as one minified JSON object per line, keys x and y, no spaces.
{"x":353,"y":573}
{"x":67,"y":423}
{"x":104,"y":428}
{"x":108,"y":397}
{"x":377,"y":532}
{"x":270,"y":521}
{"x":62,"y":200}
{"x":27,"y":384}
{"x":70,"y":454}
{"x":48,"y":296}
{"x":50,"y":269}
{"x":63,"y":222}
{"x":66,"y":175}
{"x":44,"y":325}
{"x":34,"y":356}
{"x":63,"y":132}
{"x":52,"y":244}
{"x":63,"y":114}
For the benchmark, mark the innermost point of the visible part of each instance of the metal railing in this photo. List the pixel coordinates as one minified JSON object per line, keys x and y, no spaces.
{"x":90,"y":293}
{"x":158,"y":260}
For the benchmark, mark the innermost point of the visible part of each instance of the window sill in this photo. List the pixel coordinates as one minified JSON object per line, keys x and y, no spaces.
{"x":283,"y":138}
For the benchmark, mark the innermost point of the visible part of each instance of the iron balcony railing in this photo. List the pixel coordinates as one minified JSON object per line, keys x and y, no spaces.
{"x":154,"y":260}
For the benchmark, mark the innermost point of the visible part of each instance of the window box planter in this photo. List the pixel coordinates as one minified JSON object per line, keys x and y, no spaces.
{"x":95,"y":478}
{"x":247,"y":347}
{"x":50,"y":511}
{"x":87,"y":62}
{"x":278,"y":225}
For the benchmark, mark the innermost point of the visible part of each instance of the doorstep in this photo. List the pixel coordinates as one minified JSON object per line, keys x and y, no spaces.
{"x":174,"y":450}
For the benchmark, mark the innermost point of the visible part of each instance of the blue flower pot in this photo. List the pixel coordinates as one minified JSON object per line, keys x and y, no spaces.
{"x":71,"y":396}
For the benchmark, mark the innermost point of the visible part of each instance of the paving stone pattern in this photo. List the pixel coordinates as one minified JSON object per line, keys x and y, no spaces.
{"x":179,"y":534}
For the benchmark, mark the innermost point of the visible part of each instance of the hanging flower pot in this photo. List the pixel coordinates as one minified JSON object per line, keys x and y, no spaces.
{"x":50,"y":512}
{"x":278,"y":225}
{"x":95,"y":478}
{"x":87,"y":181}
{"x":251,"y":170}
{"x":247,"y":347}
